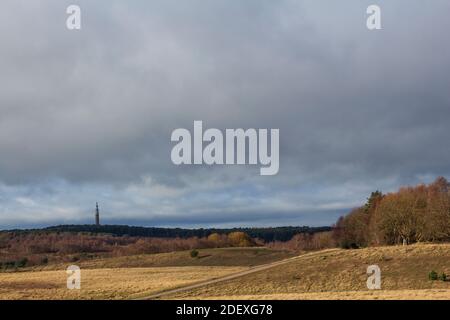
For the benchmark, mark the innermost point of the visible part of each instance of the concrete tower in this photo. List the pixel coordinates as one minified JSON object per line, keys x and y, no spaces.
{"x":97,"y":215}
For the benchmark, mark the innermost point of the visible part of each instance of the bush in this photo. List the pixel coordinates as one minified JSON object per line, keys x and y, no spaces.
{"x":443,"y":277}
{"x":194,"y":253}
{"x":433,"y":275}
{"x":9,"y":264}
{"x":348,"y":245}
{"x":21,"y":263}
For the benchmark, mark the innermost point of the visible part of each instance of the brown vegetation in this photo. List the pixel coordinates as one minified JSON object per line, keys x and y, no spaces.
{"x":117,"y":283}
{"x":306,"y":242}
{"x":326,"y":274}
{"x":430,"y":294}
{"x":334,"y":273}
{"x":413,"y":214}
{"x":19,"y":250}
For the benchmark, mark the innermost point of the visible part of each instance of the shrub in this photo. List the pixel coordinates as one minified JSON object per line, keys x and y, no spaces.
{"x":194,"y":253}
{"x":433,"y":275}
{"x":443,"y":277}
{"x":348,"y":245}
{"x":21,"y":263}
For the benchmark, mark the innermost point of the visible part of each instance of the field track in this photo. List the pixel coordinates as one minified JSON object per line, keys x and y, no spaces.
{"x":161,"y":294}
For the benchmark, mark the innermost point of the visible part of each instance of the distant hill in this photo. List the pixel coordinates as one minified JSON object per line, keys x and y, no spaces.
{"x":266,"y":234}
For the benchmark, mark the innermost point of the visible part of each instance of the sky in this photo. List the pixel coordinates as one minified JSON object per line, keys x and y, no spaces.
{"x":86,"y":115}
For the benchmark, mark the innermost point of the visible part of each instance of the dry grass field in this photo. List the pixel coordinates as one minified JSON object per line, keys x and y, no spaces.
{"x":119,"y":283}
{"x":328,"y":274}
{"x":431,"y":294}
{"x":341,"y":274}
{"x":133,"y":276}
{"x":221,"y":257}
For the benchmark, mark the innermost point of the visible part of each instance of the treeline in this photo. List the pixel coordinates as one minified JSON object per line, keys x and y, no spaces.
{"x":413,"y":214}
{"x":71,"y":243}
{"x":306,"y":242}
{"x":264,"y":234}
{"x":18,"y":250}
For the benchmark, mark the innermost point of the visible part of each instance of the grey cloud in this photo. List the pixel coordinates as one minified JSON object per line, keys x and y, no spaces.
{"x":357,"y":110}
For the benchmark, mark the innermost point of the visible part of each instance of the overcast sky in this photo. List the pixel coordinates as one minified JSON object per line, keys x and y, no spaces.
{"x":87,"y":115}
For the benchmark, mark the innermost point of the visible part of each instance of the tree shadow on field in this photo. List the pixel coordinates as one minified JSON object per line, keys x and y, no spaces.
{"x":204,"y":256}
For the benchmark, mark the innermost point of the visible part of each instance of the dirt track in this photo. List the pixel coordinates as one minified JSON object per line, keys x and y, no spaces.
{"x":161,"y":294}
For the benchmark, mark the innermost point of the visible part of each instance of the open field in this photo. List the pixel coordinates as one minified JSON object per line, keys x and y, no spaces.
{"x":430,"y":294}
{"x":133,"y":276}
{"x":341,"y":274}
{"x":223,"y":257}
{"x":244,"y":273}
{"x":120,"y":283}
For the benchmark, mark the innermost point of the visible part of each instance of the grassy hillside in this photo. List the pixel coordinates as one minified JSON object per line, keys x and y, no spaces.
{"x":132,"y":276}
{"x":328,"y":274}
{"x":342,"y":273}
{"x":427,"y":294}
{"x":226,"y":257}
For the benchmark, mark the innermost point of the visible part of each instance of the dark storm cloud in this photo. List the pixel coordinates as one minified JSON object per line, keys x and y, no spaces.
{"x":88,"y":115}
